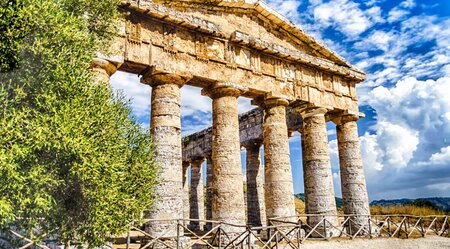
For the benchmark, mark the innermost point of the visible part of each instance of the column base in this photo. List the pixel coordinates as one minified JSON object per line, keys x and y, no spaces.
{"x":320,"y":232}
{"x":183,"y":242}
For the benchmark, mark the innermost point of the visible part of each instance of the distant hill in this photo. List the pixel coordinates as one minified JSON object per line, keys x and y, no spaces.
{"x":441,"y":203}
{"x":301,"y":196}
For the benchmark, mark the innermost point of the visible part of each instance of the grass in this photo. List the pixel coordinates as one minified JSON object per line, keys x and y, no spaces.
{"x":385,"y":210}
{"x":299,"y":206}
{"x":405,"y":209}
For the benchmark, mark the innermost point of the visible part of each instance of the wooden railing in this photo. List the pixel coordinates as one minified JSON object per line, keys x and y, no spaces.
{"x":285,"y":232}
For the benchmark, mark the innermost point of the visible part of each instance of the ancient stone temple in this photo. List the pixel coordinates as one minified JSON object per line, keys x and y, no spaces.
{"x":232,"y":49}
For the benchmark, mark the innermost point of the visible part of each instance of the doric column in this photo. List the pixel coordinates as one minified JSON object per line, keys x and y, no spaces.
{"x":165,"y":132}
{"x":227,"y":182}
{"x":256,"y":211}
{"x":197,"y":204}
{"x":103,"y":69}
{"x":186,"y":209}
{"x":279,"y":189}
{"x":353,"y":182}
{"x":317,"y":175}
{"x":208,"y":206}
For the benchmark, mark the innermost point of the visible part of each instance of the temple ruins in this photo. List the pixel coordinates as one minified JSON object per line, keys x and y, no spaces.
{"x":232,"y":49}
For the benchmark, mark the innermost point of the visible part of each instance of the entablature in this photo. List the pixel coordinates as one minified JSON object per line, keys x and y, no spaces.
{"x":169,"y":41}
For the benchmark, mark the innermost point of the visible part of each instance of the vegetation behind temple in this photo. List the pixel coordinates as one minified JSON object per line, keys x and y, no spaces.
{"x":72,"y":162}
{"x":419,"y":207}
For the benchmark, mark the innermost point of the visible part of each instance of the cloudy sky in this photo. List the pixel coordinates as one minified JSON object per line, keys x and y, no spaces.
{"x":404,"y":47}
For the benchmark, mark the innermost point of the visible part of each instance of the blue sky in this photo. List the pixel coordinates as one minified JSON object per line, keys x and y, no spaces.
{"x":404,"y":47}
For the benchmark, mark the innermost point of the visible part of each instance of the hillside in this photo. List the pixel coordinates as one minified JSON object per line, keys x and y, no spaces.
{"x":301,"y":196}
{"x":441,"y":203}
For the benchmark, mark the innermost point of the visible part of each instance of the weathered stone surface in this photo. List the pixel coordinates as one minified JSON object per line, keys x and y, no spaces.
{"x":228,"y":196}
{"x":256,"y":211}
{"x":186,"y":203}
{"x":214,"y":42}
{"x":250,"y":129}
{"x":353,"y":182}
{"x":103,"y":69}
{"x":209,"y":191}
{"x":165,"y":131}
{"x":279,"y":189}
{"x":318,"y":179}
{"x":197,"y":203}
{"x":240,"y":48}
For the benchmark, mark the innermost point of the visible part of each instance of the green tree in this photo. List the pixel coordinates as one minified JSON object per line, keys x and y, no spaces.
{"x":73,"y":163}
{"x":13,"y":28}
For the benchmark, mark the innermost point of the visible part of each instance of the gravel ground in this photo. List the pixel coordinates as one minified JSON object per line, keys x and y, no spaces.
{"x":432,"y":242}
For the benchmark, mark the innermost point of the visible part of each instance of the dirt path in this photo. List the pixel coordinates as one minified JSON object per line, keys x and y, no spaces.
{"x":432,"y":242}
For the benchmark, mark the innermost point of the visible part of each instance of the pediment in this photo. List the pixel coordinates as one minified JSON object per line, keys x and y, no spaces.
{"x":258,"y":21}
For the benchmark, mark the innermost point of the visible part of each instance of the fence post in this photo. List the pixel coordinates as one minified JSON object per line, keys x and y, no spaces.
{"x":370,"y":228}
{"x":219,"y":233}
{"x":178,"y":234}
{"x":350,"y":225}
{"x":128,"y":239}
{"x":250,"y":234}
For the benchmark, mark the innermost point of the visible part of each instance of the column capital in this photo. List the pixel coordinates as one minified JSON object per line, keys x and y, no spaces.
{"x":310,"y":111}
{"x":197,"y":161}
{"x":255,"y":143}
{"x":103,"y":64}
{"x":345,"y":117}
{"x":223,"y":89}
{"x":271,"y":100}
{"x":153,"y":77}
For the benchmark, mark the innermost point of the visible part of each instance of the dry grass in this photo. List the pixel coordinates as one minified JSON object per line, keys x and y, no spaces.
{"x":404,"y":209}
{"x":384,"y":210}
{"x":299,"y":206}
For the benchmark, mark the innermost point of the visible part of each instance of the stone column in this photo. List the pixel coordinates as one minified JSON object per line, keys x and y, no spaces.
{"x":227,"y":182}
{"x":353,"y":182}
{"x":317,"y":175}
{"x":103,"y":69}
{"x":279,"y":189}
{"x":256,"y":211}
{"x":208,"y":207}
{"x":186,"y":208}
{"x":165,"y":132}
{"x":196,"y":199}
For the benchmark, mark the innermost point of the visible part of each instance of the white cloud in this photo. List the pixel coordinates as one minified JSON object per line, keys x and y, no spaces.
{"x":408,"y":4}
{"x":346,"y":16}
{"x":440,"y":158}
{"x":196,"y":111}
{"x":192,"y":101}
{"x":377,"y":39}
{"x":371,"y":152}
{"x":401,"y":11}
{"x":397,"y":14}
{"x":373,"y":2}
{"x":412,"y":130}
{"x":396,"y":145}
{"x":439,"y":186}
{"x":289,"y":8}
{"x":139,"y":94}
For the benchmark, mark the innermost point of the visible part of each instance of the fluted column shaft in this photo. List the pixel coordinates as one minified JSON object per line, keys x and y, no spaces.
{"x":317,"y":175}
{"x":353,"y":182}
{"x":279,"y":189}
{"x":228,"y":196}
{"x":165,"y":127}
{"x":186,"y":204}
{"x":256,"y":211}
{"x":209,"y":191}
{"x":197,"y":204}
